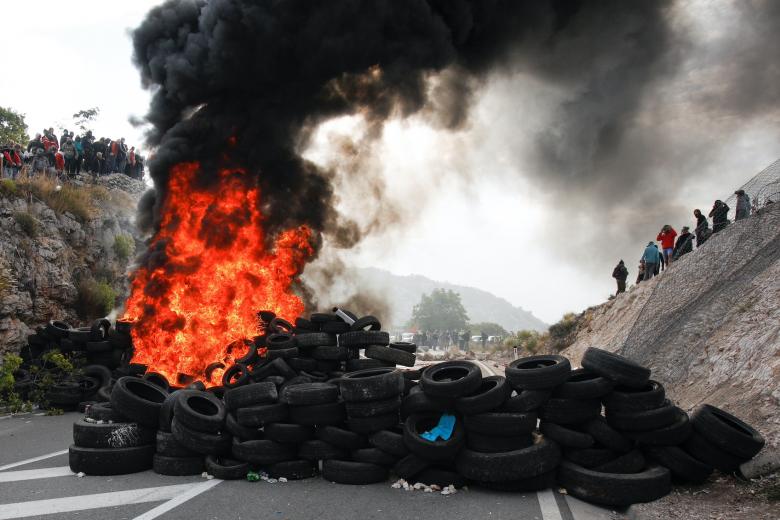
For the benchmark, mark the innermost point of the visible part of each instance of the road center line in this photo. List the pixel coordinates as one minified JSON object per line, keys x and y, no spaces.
{"x":32,"y":474}
{"x":548,"y":505}
{"x":34,"y":459}
{"x":96,"y":501}
{"x":178,"y":500}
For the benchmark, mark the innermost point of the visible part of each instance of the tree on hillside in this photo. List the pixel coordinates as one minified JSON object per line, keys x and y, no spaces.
{"x":440,"y":310}
{"x":489,"y":328}
{"x":84,"y":118}
{"x":13,"y":128}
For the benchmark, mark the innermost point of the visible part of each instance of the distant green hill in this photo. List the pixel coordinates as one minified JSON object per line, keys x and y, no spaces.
{"x":403,"y":292}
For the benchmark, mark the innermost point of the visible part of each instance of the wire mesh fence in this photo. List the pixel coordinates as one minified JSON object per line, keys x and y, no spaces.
{"x":763,"y":189}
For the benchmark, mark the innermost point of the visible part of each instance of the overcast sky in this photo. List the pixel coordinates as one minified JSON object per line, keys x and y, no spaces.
{"x":479,"y":211}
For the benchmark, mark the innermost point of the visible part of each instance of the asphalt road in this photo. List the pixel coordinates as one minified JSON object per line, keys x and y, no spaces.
{"x":35,"y":482}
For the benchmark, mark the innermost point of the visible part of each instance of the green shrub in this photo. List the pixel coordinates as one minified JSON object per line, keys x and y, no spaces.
{"x":562,"y":334}
{"x":124,"y":247}
{"x":8,"y":187}
{"x":27,"y":222}
{"x":95,"y":299}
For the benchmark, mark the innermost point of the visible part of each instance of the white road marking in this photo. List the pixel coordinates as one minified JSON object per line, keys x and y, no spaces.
{"x":548,"y":505}
{"x":34,"y":459}
{"x":96,"y":501}
{"x":32,"y":474}
{"x":177,"y":501}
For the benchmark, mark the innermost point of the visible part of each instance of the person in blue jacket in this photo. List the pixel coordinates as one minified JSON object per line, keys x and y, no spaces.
{"x":651,"y":257}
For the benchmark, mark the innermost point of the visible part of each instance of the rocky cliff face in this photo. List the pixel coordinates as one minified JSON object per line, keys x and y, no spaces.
{"x":64,"y":251}
{"x":708,"y":327}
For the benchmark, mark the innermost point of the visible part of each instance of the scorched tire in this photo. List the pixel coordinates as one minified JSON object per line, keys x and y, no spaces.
{"x":111,"y":461}
{"x":614,"y":489}
{"x":391,"y":355}
{"x":224,"y":468}
{"x":513,"y":465}
{"x":200,"y":411}
{"x":353,"y":473}
{"x":615,"y":367}
{"x":538,"y":372}
{"x":251,"y":395}
{"x":364,"y":338}
{"x":138,"y":400}
{"x":110,"y":435}
{"x":177,"y":466}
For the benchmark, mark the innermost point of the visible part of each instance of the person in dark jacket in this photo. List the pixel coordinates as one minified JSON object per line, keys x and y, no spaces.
{"x":620,"y":273}
{"x":719,"y":214}
{"x":702,"y":228}
{"x":684,"y":243}
{"x":743,"y":205}
{"x":640,"y":272}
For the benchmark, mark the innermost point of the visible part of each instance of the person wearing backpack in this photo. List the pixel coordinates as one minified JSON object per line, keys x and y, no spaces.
{"x":620,"y":273}
{"x":69,"y":152}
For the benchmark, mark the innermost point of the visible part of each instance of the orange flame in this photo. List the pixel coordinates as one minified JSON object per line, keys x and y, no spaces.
{"x":216,"y":276}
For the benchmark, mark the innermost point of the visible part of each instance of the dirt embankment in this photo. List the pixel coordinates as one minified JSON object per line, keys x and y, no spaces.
{"x":708,"y":327}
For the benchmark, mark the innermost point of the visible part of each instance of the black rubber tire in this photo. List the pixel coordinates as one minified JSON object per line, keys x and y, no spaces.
{"x":244,"y":433}
{"x":373,"y":384}
{"x":354,"y":365}
{"x":590,"y":457}
{"x":353,"y":473}
{"x":366,"y":323}
{"x":625,"y":399}
{"x":104,"y":412}
{"x":614,"y":489}
{"x":280,"y":326}
{"x":494,"y":444}
{"x":631,"y":462}
{"x":166,"y":412}
{"x":391,"y":355}
{"x":225,"y":468}
{"x":512,"y":465}
{"x":302,"y":364}
{"x":584,"y":384}
{"x":374,"y":456}
{"x":503,"y":424}
{"x":535,"y":483}
{"x":99,"y":346}
{"x":112,"y":461}
{"x":727,"y":432}
{"x":249,"y":358}
{"x":328,"y":366}
{"x":250,"y":395}
{"x":451,"y":379}
{"x":315,"y":339}
{"x":364,"y":338}
{"x":138,"y":400}
{"x":200,"y":411}
{"x":607,"y":436}
{"x":418,"y":402}
{"x":316,"y":377}
{"x":177,"y":466}
{"x":293,"y":470}
{"x":538,"y":372}
{"x":405,"y":346}
{"x":110,"y":435}
{"x":280,"y":341}
{"x":362,"y":409}
{"x":286,"y":433}
{"x":327,"y":414}
{"x":340,"y":437}
{"x":683,"y":466}
{"x":704,"y":451}
{"x":318,"y":318}
{"x":200,"y":442}
{"x":643,"y":421}
{"x":58,"y":329}
{"x":615,"y":367}
{"x":257,"y":416}
{"x":330,"y":353}
{"x":335,"y":327}
{"x":310,"y":394}
{"x":491,"y":395}
{"x":410,"y":466}
{"x":569,"y":411}
{"x":157,"y":379}
{"x":566,"y":437}
{"x":437,"y":450}
{"x":320,"y":450}
{"x":99,"y":372}
{"x":526,"y":401}
{"x":672,"y":435}
{"x":367,"y":425}
{"x":235,"y":376}
{"x":166,"y":444}
{"x":391,"y":442}
{"x":263,"y":452}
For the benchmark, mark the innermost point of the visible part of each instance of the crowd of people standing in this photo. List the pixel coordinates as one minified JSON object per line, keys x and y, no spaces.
{"x":71,"y":154}
{"x":674,"y":246}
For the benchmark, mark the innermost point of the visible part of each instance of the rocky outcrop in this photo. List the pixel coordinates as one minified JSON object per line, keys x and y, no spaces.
{"x":52,"y":240}
{"x":708,"y":327}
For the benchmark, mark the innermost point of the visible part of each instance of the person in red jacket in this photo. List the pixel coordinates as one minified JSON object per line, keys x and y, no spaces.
{"x":59,"y":162}
{"x":666,"y":237}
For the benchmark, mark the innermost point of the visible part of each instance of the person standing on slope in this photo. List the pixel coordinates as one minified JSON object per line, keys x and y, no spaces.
{"x":651,"y":258}
{"x":719,"y":214}
{"x":620,"y":273}
{"x":684,"y":243}
{"x":666,"y":237}
{"x":702,"y":228}
{"x":743,"y":205}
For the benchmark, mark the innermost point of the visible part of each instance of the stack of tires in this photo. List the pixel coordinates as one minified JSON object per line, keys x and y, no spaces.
{"x":118,"y":437}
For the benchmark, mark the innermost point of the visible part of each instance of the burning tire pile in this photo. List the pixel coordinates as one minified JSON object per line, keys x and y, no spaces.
{"x":303,"y":402}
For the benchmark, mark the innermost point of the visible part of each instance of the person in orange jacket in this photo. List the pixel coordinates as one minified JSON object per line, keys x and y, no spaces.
{"x":666,"y":237}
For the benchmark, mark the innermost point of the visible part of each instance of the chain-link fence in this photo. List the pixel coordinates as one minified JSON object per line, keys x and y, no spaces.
{"x":763,"y":189}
